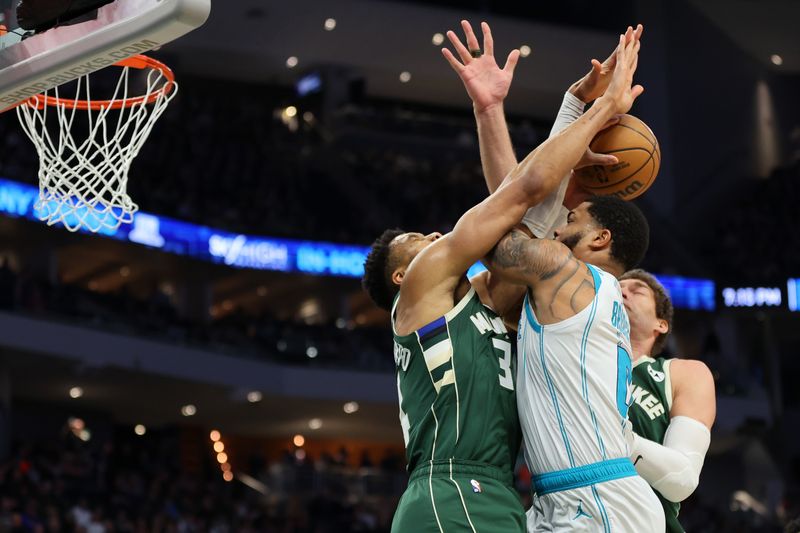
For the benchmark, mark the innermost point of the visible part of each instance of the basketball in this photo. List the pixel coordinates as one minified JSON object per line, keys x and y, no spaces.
{"x":636,"y":147}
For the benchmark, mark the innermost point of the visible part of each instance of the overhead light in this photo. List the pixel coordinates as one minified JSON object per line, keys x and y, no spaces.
{"x":214,"y":435}
{"x":300,"y":454}
{"x":350,"y":407}
{"x":299,"y":440}
{"x":125,"y":272}
{"x":227,"y":305}
{"x":282,"y":345}
{"x":315,"y":423}
{"x":227,"y":476}
{"x":312,"y":352}
{"x":226,"y":467}
{"x":308,"y":116}
{"x":524,"y":50}
{"x":261,"y":291}
{"x":75,"y":392}
{"x":290,"y":111}
{"x":222,"y":457}
{"x":291,"y":62}
{"x":85,"y":435}
{"x":341,"y":323}
{"x":438,"y":39}
{"x":75,"y":424}
{"x":219,"y":446}
{"x":139,"y":429}
{"x":254,"y":396}
{"x":405,"y":76}
{"x":188,"y":410}
{"x":330,"y":24}
{"x":776,"y":59}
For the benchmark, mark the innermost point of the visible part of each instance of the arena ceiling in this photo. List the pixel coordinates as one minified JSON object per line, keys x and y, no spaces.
{"x":250,"y":40}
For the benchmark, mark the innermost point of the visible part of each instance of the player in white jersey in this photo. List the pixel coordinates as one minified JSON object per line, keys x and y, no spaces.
{"x":572,"y":413}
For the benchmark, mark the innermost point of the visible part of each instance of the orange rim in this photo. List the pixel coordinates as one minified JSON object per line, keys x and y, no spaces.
{"x":138,"y":62}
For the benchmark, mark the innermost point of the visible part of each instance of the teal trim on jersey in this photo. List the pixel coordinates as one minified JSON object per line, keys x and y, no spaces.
{"x":584,"y":382}
{"x":603,"y":514}
{"x":554,"y":396}
{"x":596,"y":276}
{"x":583,"y":476}
{"x":521,"y":337}
{"x":529,"y":313}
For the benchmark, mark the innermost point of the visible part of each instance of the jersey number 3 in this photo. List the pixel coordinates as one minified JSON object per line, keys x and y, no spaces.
{"x":504,"y":347}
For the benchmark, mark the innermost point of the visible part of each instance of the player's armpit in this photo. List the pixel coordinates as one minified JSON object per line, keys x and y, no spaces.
{"x":502,"y":297}
{"x":693,"y":391}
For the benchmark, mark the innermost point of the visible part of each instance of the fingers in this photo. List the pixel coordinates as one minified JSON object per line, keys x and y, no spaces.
{"x":604,"y":159}
{"x":455,"y":63}
{"x":511,"y":61}
{"x":488,"y":41}
{"x":638,"y":33}
{"x":462,"y":51}
{"x":620,"y":52}
{"x":634,"y":64}
{"x":472,"y":41}
{"x":591,"y":159}
{"x":636,"y":91}
{"x":597,"y":67}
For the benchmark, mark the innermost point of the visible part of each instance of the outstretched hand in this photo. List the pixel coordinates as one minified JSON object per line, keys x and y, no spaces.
{"x":487,"y":84}
{"x":594,"y":84}
{"x":621,"y":92}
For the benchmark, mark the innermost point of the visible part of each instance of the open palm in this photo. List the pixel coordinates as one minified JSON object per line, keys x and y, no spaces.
{"x":487,"y":84}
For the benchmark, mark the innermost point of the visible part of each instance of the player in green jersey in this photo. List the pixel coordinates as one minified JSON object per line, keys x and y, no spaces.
{"x":673,"y":405}
{"x":455,"y":370}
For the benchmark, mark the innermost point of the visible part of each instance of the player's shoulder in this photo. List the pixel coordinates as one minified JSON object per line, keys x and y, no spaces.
{"x":689,"y":371}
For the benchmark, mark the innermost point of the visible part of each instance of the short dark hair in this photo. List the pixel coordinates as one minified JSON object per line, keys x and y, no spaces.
{"x":664,"y":310}
{"x":378,"y":268}
{"x":630,"y":232}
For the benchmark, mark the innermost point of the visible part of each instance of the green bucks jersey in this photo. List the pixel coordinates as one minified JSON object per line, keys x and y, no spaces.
{"x":649,"y":415}
{"x":455,"y":382}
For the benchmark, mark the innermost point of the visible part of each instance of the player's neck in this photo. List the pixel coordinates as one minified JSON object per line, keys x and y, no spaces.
{"x":608,"y":265}
{"x":641,"y":347}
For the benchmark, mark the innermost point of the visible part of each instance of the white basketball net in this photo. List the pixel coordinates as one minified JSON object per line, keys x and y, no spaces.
{"x":83,"y":169}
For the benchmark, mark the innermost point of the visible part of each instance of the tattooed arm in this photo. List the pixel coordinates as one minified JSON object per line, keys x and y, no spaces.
{"x":559,"y":285}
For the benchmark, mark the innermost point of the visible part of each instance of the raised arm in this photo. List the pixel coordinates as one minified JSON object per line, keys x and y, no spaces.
{"x":441,"y":264}
{"x":488,"y":85}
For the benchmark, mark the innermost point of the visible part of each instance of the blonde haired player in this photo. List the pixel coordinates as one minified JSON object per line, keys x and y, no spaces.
{"x":574,"y":366}
{"x":674,"y":402}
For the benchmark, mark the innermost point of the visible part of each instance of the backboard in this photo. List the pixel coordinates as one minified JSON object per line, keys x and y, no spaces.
{"x":113,"y":32}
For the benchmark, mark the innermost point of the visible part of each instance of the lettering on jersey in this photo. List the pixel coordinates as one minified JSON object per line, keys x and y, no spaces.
{"x":483,"y":324}
{"x":619,"y":319}
{"x":657,"y":376}
{"x":648,"y":401}
{"x":401,"y":356}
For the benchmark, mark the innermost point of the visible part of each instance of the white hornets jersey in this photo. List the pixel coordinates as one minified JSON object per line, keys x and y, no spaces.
{"x":573,"y":382}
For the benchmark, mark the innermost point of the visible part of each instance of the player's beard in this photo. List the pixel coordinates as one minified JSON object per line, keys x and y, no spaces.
{"x":572,"y":240}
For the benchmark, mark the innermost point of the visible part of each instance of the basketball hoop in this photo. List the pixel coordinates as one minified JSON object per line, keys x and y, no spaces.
{"x":83,"y":164}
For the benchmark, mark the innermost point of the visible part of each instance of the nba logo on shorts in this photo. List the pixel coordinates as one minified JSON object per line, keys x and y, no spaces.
{"x":476,"y":487}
